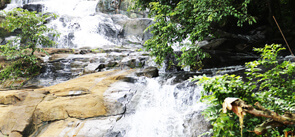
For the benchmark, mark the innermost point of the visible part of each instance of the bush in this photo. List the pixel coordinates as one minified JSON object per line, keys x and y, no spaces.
{"x":20,"y":50}
{"x":268,"y":81}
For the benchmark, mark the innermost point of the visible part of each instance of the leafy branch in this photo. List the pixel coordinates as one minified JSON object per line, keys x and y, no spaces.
{"x":32,"y":32}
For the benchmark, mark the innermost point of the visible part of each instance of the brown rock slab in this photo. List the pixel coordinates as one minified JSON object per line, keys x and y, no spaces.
{"x":14,"y":119}
{"x":64,"y":107}
{"x":12,"y":97}
{"x":58,"y":56}
{"x":24,"y":111}
{"x":95,"y":83}
{"x":57,"y":127}
{"x":78,"y":98}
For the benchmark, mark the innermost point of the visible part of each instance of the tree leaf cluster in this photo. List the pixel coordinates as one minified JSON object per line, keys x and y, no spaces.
{"x":193,"y":20}
{"x":31,"y":32}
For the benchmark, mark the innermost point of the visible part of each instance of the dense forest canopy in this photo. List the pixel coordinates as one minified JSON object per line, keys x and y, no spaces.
{"x":177,"y":20}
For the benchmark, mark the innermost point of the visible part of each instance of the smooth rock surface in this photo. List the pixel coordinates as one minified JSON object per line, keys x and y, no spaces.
{"x":18,"y":117}
{"x":24,"y":111}
{"x":134,"y":29}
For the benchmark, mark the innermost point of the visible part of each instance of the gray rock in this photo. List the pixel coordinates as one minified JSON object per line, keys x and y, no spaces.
{"x":94,"y":127}
{"x":120,"y":7}
{"x":97,"y":127}
{"x":149,"y":72}
{"x":107,"y":6}
{"x":212,"y":44}
{"x":117,"y":97}
{"x":34,"y":7}
{"x":59,"y":67}
{"x":90,"y":68}
{"x":110,"y":31}
{"x":132,"y":62}
{"x":193,"y":121}
{"x":134,"y":29}
{"x":3,"y":4}
{"x":290,"y":58}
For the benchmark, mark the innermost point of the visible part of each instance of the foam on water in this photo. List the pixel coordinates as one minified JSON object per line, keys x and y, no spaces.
{"x":78,"y":22}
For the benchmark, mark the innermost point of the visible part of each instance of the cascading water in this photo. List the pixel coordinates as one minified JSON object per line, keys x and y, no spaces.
{"x":78,"y":23}
{"x":81,"y":26}
{"x":160,"y":109}
{"x":157,"y":108}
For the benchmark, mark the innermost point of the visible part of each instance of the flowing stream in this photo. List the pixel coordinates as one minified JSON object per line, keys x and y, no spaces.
{"x":155,"y":107}
{"x":162,"y":109}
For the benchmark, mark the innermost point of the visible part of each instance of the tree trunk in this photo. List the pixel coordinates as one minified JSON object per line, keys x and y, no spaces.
{"x":275,"y":120}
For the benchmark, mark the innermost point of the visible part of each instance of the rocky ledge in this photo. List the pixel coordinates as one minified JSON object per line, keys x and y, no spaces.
{"x":73,"y":105}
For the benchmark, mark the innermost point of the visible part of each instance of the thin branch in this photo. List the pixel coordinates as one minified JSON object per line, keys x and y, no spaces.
{"x":283,"y":35}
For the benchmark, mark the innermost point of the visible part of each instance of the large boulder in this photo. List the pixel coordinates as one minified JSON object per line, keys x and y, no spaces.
{"x":24,"y":112}
{"x":17,"y":108}
{"x":110,"y":31}
{"x":134,"y":30}
{"x":34,"y":7}
{"x":149,"y":72}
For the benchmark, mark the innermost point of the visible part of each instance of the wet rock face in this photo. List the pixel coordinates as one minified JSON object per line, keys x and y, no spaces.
{"x":34,"y":7}
{"x":149,"y":72}
{"x":108,"y":6}
{"x":111,"y":31}
{"x":64,"y":64}
{"x":190,"y":124}
{"x":94,"y":127}
{"x":119,"y":7}
{"x":133,"y":29}
{"x":3,"y":3}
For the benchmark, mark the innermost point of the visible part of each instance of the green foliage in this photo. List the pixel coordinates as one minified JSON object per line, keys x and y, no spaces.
{"x":20,"y":50}
{"x":20,"y":68}
{"x":275,"y":80}
{"x":269,"y":82}
{"x":178,"y":20}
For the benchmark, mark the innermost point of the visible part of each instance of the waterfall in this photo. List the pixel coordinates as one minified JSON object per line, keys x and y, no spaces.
{"x":78,"y":23}
{"x":157,"y":108}
{"x":163,"y":110}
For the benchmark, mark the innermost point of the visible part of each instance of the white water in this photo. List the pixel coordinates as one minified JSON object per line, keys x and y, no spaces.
{"x":163,"y":110}
{"x":78,"y":23}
